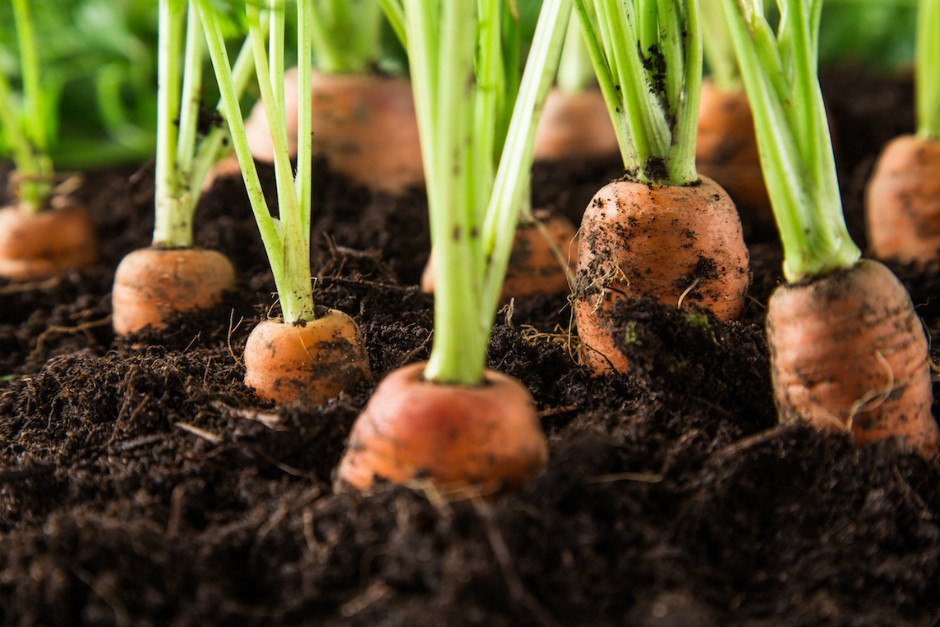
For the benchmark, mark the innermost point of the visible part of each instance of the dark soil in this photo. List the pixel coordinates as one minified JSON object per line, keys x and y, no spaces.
{"x":141,"y":483}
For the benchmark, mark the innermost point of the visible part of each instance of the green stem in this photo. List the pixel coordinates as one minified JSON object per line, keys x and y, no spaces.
{"x":169,"y":75}
{"x":717,"y":46}
{"x":680,"y":162}
{"x":575,"y":72}
{"x":927,"y":57}
{"x":795,"y":146}
{"x":345,"y":35}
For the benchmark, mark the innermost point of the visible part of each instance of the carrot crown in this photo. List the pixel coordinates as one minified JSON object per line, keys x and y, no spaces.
{"x":182,"y":159}
{"x":927,"y":73}
{"x":780,"y":77}
{"x":647,"y":56}
{"x":29,"y":132}
{"x":458,"y":64}
{"x":286,"y":239}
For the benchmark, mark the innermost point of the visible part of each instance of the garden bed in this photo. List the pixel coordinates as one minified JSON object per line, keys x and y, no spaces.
{"x":141,"y":483}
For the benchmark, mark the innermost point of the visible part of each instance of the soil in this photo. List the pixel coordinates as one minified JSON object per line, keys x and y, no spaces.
{"x":142,"y":483}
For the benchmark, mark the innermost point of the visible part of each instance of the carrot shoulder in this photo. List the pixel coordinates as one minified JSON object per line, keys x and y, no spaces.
{"x":151,"y":285}
{"x":48,"y":243}
{"x":848,"y":353}
{"x":902,"y":202}
{"x":486,"y":435}
{"x":679,"y":245}
{"x":306,"y":363}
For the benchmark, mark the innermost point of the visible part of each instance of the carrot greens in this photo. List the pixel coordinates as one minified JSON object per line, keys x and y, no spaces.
{"x":345,"y":35}
{"x":647,"y":57}
{"x":460,"y":68}
{"x":287,"y":238}
{"x":780,"y":75}
{"x":927,"y":82}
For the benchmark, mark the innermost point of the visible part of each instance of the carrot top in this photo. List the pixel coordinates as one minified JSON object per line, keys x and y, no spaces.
{"x":927,"y":53}
{"x":647,"y":56}
{"x":30,"y":132}
{"x":286,"y":239}
{"x":460,"y":69}
{"x":780,"y":76}
{"x":344,"y":34}
{"x":717,"y":46}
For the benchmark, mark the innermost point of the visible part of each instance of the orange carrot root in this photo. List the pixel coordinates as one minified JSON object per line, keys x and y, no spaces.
{"x":309,"y":364}
{"x":902,"y":202}
{"x":48,"y":243}
{"x":455,"y":436}
{"x":364,"y":126}
{"x":151,"y":285}
{"x":677,"y":245}
{"x":849,"y":353}
{"x":575,"y":126}
{"x":726,"y":147}
{"x":534,"y":265}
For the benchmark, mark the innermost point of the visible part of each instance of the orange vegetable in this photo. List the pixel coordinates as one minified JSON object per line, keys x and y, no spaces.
{"x":902,"y":201}
{"x":486,"y":435}
{"x":534,"y":265}
{"x":848,"y":353}
{"x":48,"y":243}
{"x":305,"y":363}
{"x":153,"y":284}
{"x":364,"y":126}
{"x":679,"y":245}
{"x":575,"y":126}
{"x":726,"y":147}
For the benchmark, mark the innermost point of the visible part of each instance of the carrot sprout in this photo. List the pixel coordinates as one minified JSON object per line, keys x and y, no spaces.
{"x":286,"y":239}
{"x":29,"y":133}
{"x":647,"y":56}
{"x":460,"y":69}
{"x":345,"y":35}
{"x":780,"y":77}
{"x":183,"y":159}
{"x":927,"y":54}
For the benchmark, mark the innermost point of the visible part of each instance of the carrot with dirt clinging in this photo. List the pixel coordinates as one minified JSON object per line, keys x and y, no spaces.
{"x":172,"y":276}
{"x":450,"y":420}
{"x":313,"y":353}
{"x":41,"y":234}
{"x":847,"y":351}
{"x":902,"y":201}
{"x":662,"y":232}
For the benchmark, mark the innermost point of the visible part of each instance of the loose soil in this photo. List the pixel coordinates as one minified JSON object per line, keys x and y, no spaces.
{"x":141,"y":483}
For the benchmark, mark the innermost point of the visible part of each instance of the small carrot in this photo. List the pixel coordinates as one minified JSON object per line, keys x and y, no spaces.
{"x":307,"y":363}
{"x":543,"y":250}
{"x":847,"y":350}
{"x":153,"y":284}
{"x":47,"y":243}
{"x":679,"y":245}
{"x":486,"y":435}
{"x":662,"y":232}
{"x":902,"y":201}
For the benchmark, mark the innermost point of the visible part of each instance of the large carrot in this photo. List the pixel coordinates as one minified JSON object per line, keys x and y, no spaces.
{"x":172,"y":276}
{"x":847,"y":350}
{"x":662,"y":232}
{"x":902,"y":202}
{"x":311,"y":354}
{"x":449,"y":420}
{"x":41,"y":235}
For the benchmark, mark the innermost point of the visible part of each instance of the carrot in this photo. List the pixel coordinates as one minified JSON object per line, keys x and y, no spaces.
{"x":47,"y":243}
{"x":575,"y":126}
{"x":306,"y":363}
{"x":726,"y":149}
{"x":486,"y":435}
{"x":151,"y":285}
{"x":451,"y":420}
{"x":679,"y":245}
{"x":902,"y":201}
{"x":534,"y":263}
{"x":363,"y":125}
{"x":847,"y":350}
{"x":662,"y":232}
{"x":849,"y":354}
